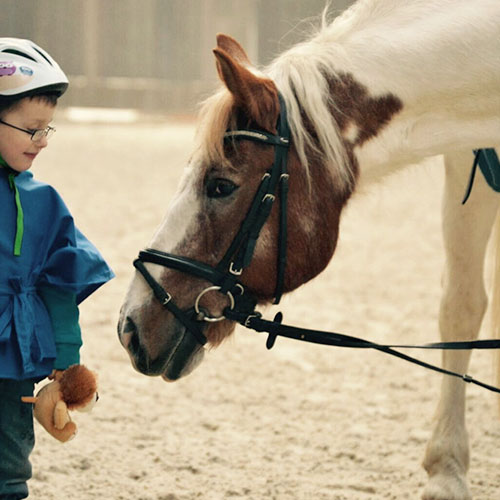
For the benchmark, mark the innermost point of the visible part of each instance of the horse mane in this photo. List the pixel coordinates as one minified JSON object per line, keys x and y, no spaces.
{"x":302,"y":75}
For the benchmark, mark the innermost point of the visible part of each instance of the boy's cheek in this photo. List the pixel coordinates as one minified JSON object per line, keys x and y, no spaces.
{"x":18,"y":162}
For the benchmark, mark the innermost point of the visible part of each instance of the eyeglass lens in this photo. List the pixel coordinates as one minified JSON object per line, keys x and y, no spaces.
{"x":38,"y":135}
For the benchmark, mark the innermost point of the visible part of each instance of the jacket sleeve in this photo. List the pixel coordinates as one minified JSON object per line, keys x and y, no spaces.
{"x":74,"y":263}
{"x":63,"y":311}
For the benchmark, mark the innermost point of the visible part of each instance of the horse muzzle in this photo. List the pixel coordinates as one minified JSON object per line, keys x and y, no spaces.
{"x":171,"y":353}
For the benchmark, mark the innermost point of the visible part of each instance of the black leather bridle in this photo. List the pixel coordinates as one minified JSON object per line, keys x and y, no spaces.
{"x":225,"y":275}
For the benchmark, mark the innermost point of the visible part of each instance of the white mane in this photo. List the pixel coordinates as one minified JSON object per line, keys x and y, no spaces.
{"x":413,"y":49}
{"x":301,"y":75}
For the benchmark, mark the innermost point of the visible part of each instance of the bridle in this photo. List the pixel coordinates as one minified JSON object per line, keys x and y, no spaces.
{"x":225,"y":275}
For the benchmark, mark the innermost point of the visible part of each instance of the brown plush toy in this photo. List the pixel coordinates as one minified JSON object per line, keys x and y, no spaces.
{"x":73,"y":389}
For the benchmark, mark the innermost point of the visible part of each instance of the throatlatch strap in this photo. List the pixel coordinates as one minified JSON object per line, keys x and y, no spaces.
{"x":20,"y":216}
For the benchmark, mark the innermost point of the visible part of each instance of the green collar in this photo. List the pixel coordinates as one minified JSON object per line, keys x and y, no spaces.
{"x":11,"y":175}
{"x":3,"y":163}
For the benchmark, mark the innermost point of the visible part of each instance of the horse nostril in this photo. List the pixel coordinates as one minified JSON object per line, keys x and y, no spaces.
{"x":134,"y":344}
{"x":129,"y":326}
{"x":128,"y":334}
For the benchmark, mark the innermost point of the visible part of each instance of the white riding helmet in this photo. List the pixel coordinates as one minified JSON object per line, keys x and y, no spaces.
{"x":26,"y":69}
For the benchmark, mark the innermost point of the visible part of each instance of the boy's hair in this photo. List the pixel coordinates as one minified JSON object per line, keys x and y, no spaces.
{"x":49,"y":98}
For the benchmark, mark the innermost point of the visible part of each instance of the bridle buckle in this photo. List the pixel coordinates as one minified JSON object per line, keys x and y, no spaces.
{"x":235,"y":272}
{"x":250,"y":316}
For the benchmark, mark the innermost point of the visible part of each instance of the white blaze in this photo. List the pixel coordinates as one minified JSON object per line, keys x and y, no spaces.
{"x":180,"y":216}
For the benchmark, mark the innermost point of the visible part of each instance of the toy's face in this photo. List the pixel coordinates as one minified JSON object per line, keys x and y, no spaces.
{"x":86,"y":408}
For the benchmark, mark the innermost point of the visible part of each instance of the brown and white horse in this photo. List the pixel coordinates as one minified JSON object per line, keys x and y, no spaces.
{"x":386,"y":84}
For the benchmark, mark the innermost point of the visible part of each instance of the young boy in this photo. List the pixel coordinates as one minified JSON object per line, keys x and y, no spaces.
{"x":47,"y":267}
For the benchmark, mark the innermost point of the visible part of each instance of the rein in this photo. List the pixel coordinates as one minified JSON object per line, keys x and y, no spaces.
{"x":225,"y":275}
{"x":275,"y":328}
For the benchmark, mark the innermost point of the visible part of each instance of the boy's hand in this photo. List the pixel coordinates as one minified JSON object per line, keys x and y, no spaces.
{"x":56,"y":374}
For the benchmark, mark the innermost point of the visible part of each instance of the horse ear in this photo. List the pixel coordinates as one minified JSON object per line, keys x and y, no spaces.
{"x":233,"y":48}
{"x":257,"y":95}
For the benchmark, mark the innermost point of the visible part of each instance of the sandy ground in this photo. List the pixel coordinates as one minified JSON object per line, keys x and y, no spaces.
{"x":298,"y":422}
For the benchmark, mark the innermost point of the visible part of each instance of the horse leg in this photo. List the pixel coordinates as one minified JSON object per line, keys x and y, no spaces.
{"x":466,"y":229}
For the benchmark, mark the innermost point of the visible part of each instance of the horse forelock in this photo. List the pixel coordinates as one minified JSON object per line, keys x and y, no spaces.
{"x":215,"y":118}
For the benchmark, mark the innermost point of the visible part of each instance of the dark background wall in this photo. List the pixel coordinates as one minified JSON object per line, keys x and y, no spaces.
{"x":154,"y":55}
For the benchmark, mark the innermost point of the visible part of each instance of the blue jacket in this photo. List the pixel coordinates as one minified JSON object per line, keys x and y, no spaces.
{"x":53,"y":254}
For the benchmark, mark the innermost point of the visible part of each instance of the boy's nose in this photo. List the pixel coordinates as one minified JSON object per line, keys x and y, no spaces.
{"x":42,"y":143}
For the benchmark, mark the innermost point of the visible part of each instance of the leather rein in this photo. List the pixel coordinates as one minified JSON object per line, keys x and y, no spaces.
{"x":241,"y":302}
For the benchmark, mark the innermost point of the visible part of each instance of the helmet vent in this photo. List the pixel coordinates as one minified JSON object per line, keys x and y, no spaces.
{"x":19,"y":53}
{"x":43,"y":55}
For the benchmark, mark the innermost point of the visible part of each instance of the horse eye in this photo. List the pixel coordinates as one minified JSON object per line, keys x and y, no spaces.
{"x":220,"y":188}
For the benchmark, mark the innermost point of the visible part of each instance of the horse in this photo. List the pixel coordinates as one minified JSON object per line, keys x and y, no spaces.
{"x":384,"y":85}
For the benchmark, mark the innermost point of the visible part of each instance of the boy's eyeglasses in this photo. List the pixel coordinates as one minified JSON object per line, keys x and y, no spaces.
{"x":37,"y":134}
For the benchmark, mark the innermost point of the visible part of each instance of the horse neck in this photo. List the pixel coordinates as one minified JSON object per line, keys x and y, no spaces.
{"x":440,"y":59}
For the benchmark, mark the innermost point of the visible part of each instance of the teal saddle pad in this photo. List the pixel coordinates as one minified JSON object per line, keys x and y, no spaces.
{"x":487,"y":160}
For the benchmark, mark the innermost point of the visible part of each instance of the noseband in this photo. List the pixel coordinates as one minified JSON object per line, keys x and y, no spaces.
{"x":225,"y":275}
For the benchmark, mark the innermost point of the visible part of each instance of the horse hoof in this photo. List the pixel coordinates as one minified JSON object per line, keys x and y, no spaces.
{"x":444,"y":487}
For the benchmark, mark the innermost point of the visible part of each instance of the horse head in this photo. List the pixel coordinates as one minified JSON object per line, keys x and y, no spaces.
{"x":212,"y":201}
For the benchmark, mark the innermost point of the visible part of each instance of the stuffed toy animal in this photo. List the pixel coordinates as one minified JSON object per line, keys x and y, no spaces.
{"x":73,"y":389}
